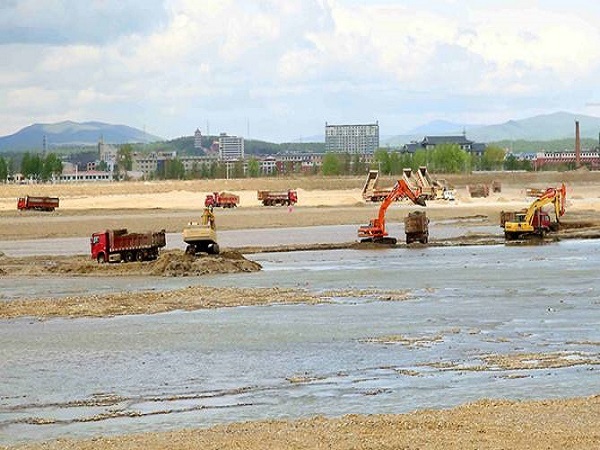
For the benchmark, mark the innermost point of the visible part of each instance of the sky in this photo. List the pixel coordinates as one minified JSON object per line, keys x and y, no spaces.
{"x":279,"y":70}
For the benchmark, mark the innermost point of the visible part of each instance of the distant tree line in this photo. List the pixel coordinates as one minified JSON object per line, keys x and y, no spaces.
{"x":32,"y":166}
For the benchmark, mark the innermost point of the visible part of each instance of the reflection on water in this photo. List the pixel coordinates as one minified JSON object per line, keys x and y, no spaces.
{"x":139,"y":373}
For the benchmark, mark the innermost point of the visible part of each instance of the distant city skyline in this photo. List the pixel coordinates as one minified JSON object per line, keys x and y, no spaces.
{"x":278,"y":70}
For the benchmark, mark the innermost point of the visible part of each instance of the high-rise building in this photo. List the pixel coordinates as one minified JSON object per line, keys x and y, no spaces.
{"x":352,"y":138}
{"x":230,"y":147}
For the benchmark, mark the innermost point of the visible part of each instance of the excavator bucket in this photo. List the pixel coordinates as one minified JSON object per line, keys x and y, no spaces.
{"x":421,"y":200}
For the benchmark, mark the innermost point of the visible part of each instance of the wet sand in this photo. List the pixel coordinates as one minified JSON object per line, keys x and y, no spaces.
{"x":486,"y":424}
{"x":547,"y":424}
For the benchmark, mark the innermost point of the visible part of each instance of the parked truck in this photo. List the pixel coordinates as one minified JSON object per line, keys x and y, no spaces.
{"x":119,"y":245}
{"x":271,"y":198}
{"x":416,"y":227}
{"x":37,"y":203}
{"x":221,"y":200}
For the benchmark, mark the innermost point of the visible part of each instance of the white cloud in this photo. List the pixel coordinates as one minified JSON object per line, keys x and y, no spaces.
{"x":181,"y":62}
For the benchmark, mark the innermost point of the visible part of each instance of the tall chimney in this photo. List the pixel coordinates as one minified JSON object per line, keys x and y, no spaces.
{"x":577,"y":145}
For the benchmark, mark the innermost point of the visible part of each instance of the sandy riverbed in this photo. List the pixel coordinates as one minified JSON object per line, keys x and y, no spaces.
{"x":555,"y":424}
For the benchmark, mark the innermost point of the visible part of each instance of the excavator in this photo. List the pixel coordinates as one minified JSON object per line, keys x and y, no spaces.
{"x":534,"y":222}
{"x":202,"y":237}
{"x":375,"y":231}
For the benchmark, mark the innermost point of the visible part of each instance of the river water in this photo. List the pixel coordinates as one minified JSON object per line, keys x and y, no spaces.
{"x":85,"y":377}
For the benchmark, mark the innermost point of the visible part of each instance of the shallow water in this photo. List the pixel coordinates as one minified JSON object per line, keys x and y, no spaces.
{"x":83,"y":377}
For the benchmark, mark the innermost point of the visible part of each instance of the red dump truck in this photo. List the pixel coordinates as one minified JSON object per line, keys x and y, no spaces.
{"x":270,"y":198}
{"x":37,"y":203}
{"x":221,"y":200}
{"x":119,"y":245}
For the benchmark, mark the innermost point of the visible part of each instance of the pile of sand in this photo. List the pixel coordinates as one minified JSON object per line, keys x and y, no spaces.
{"x":172,"y":263}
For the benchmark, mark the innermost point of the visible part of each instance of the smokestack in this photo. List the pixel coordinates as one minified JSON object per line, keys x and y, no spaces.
{"x":577,"y":145}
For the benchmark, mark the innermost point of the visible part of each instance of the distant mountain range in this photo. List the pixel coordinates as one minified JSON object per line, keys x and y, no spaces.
{"x":69,"y":133}
{"x":560,"y":125}
{"x":547,"y":127}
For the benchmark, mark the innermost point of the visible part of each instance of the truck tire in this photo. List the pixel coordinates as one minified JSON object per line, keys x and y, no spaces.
{"x":140,"y":256}
{"x":101,"y":258}
{"x":129,"y":257}
{"x":213,"y":249}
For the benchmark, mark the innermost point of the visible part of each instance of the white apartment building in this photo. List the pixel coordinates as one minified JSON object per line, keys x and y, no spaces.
{"x":230,"y":147}
{"x":352,"y":138}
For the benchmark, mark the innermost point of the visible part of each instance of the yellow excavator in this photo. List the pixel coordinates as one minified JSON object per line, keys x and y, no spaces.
{"x":202,"y":237}
{"x":534,"y":221}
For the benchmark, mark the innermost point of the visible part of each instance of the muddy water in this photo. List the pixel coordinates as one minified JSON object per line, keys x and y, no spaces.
{"x":146,"y":373}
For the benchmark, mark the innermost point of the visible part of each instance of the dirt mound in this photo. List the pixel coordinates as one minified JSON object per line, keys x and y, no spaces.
{"x":173,"y":263}
{"x":178,"y":264}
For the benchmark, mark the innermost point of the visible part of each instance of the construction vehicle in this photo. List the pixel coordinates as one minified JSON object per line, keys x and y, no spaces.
{"x":376,"y":231}
{"x":534,"y":221}
{"x":270,"y":198}
{"x":478,"y":190}
{"x":119,"y":245}
{"x":371,"y":192}
{"x":221,"y":200}
{"x":37,"y":203}
{"x":201,"y":237}
{"x":416,"y":227}
{"x":426,"y":184}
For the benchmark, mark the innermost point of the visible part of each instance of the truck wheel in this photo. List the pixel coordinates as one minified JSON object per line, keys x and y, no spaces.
{"x":139,"y":256}
{"x":129,"y":257}
{"x":101,"y":258}
{"x":215,"y":249}
{"x":190,"y":250}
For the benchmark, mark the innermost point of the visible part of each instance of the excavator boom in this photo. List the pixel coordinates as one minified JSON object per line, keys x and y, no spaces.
{"x":375,"y":231}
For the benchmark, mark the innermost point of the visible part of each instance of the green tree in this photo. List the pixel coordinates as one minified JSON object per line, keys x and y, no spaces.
{"x":32,"y":166}
{"x":3,"y":170}
{"x":174,"y":169}
{"x":381,"y":158}
{"x":253,"y":168}
{"x":420,"y":158}
{"x":331,"y":164}
{"x":51,"y":166}
{"x":102,"y":166}
{"x":238,"y":170}
{"x":396,"y":163}
{"x":450,"y":158}
{"x":493,"y":158}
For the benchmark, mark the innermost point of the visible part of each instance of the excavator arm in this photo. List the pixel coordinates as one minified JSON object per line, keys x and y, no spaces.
{"x":552,"y":195}
{"x":376,"y":231}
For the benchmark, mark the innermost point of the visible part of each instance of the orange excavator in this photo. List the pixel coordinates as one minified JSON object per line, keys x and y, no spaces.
{"x":375,"y":231}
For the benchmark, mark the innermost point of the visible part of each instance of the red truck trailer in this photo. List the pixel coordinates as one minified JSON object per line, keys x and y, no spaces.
{"x":221,"y":199}
{"x":37,"y":203}
{"x":119,"y":245}
{"x":270,"y":198}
